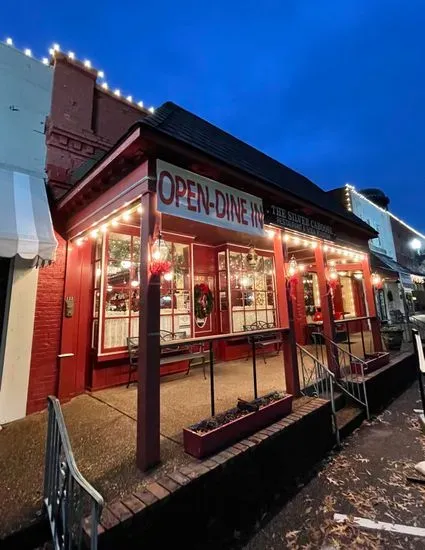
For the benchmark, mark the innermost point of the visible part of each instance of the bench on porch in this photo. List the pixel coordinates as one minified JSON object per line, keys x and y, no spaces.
{"x":263,"y":341}
{"x":169,"y":354}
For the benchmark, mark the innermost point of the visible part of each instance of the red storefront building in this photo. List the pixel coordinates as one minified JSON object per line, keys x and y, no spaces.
{"x":180,"y":231}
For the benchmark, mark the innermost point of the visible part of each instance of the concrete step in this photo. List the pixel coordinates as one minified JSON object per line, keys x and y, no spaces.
{"x":349,"y":418}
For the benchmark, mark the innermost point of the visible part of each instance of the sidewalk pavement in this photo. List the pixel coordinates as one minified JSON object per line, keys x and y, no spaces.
{"x":366,"y":479}
{"x":103,"y":441}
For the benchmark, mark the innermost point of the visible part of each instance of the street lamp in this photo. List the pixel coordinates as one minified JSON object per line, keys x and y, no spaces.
{"x":416,"y":244}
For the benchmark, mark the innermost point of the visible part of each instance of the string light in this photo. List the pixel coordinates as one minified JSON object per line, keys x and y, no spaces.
{"x":87,"y":64}
{"x":45,"y":61}
{"x":9,"y":41}
{"x":140,"y":104}
{"x":104,"y":228}
{"x":71,"y":55}
{"x":105,"y":85}
{"x":151,"y":110}
{"x":117,"y":92}
{"x":56,"y":47}
{"x":94,"y":233}
{"x":354,"y":190}
{"x":129,"y":98}
{"x":126,"y":216}
{"x":100,"y":74}
{"x":28,"y":52}
{"x":51,"y":51}
{"x":270,"y":233}
{"x":114,"y":223}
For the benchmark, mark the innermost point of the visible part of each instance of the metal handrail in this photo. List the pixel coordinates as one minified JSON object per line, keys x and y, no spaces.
{"x":352,"y":382}
{"x":66,"y":491}
{"x":322,"y":380}
{"x":228,"y":336}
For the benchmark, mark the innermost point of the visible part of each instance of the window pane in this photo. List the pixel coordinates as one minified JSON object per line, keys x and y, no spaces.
{"x":136,"y":251}
{"x":117,"y":302}
{"x":182,"y":326}
{"x":135,"y":301}
{"x":116,"y":333}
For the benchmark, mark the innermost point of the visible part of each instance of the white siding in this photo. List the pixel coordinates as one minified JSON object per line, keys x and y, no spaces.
{"x":25,"y":97}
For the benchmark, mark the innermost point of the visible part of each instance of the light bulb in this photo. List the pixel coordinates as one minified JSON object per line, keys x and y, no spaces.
{"x":140,"y":104}
{"x":168,"y":276}
{"x":87,"y":64}
{"x":104,"y":228}
{"x":126,"y":216}
{"x":45,"y":61}
{"x":129,"y":98}
{"x":56,"y":47}
{"x":71,"y":55}
{"x":117,"y":92}
{"x":94,"y":233}
{"x":114,"y":223}
{"x":100,"y":74}
{"x":139,"y":209}
{"x":156,"y":255}
{"x":134,"y":283}
{"x":28,"y":52}
{"x":151,"y":109}
{"x":105,"y":85}
{"x":9,"y":41}
{"x":79,"y":242}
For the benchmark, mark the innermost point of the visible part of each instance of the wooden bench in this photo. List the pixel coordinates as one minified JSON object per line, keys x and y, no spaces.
{"x":172,"y":354}
{"x":263,"y":341}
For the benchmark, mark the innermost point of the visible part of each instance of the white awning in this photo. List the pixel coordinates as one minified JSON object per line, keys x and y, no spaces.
{"x":26,"y":227}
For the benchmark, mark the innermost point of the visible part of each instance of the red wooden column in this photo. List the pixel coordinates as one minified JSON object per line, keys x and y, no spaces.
{"x":148,"y":397}
{"x":325,"y":301}
{"x":371,"y":305}
{"x":284,"y":305}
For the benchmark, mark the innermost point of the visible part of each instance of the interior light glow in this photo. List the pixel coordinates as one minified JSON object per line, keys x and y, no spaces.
{"x":139,"y":209}
{"x":270,"y":233}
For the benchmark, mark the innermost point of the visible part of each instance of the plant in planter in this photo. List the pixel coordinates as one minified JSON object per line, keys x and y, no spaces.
{"x":393,"y":337}
{"x":221,"y":430}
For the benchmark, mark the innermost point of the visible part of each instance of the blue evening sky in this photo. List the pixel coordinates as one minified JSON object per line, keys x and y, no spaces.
{"x":333,"y":88}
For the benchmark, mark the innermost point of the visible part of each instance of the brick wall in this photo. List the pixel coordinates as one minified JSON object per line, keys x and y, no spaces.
{"x":47,"y":328}
{"x":85,"y":121}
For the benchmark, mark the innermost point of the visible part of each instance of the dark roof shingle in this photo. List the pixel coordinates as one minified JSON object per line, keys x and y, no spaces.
{"x":184,"y":126}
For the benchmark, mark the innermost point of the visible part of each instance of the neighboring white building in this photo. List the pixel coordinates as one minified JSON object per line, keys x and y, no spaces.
{"x":391,"y":298}
{"x":26,"y":235}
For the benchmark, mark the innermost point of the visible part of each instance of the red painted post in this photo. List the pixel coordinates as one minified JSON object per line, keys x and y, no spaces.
{"x":371,"y":305}
{"x":148,"y":397}
{"x":292,"y":377}
{"x":325,"y":303}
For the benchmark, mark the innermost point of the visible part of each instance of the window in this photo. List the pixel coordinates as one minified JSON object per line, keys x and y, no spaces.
{"x":311,"y":294}
{"x":116,"y":296}
{"x":176,"y":293}
{"x":121,"y":292}
{"x":252,"y":290}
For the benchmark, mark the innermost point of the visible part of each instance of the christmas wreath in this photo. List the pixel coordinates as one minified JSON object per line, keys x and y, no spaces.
{"x":204,"y":301}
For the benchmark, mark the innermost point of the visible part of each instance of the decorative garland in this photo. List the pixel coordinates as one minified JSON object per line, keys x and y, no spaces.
{"x":204,"y":301}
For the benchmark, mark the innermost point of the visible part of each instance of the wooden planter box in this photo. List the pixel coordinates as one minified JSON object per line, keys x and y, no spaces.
{"x":203,"y":444}
{"x":373,"y":362}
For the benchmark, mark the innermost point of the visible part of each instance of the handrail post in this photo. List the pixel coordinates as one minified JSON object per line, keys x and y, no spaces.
{"x":362,"y":336}
{"x":348,"y":336}
{"x":212,"y":379}
{"x":254,"y":367}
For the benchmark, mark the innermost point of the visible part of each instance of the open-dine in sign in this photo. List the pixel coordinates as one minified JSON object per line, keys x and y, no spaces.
{"x":188,"y":195}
